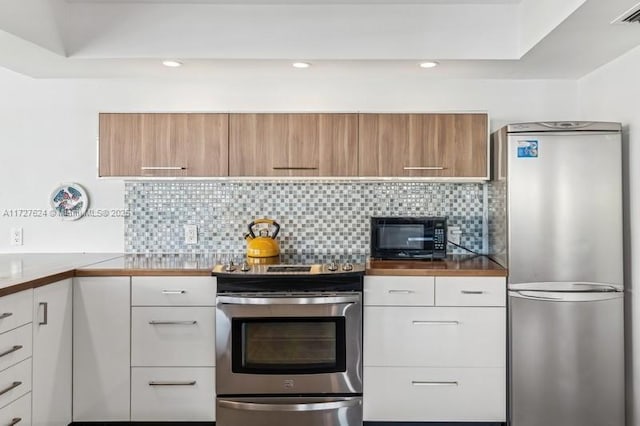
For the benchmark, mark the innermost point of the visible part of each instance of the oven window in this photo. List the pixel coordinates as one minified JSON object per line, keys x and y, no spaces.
{"x":288,"y":345}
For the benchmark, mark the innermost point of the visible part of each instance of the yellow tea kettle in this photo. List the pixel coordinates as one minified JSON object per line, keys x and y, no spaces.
{"x":265,"y":244}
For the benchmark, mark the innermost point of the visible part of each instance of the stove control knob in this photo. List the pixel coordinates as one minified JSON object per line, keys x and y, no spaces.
{"x":333,"y":266}
{"x":230,"y":267}
{"x":347,"y":267}
{"x":245,"y":267}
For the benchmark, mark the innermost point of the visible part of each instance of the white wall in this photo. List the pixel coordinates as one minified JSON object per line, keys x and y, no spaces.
{"x":613,"y":93}
{"x":48,"y":128}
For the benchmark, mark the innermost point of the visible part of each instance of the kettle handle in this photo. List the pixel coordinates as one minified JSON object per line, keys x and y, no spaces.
{"x":268,"y":221}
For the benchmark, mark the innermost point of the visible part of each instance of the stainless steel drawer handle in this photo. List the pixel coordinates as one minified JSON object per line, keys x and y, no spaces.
{"x":10,"y":351}
{"x":424,"y":168}
{"x":295,"y":168}
{"x":6,"y":315}
{"x":154,"y":322}
{"x":420,"y":383}
{"x":159,"y":383}
{"x":308,"y":406}
{"x":45,"y":319}
{"x":436,"y":322}
{"x":472,"y":292}
{"x":401,"y":291}
{"x":11,"y":387}
{"x":163,"y":168}
{"x":174,"y":291}
{"x":15,"y":421}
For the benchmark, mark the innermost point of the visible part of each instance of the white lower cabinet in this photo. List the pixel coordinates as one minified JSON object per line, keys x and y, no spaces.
{"x":18,"y":413}
{"x":52,"y":354}
{"x":15,"y":381}
{"x":434,"y":394}
{"x":172,"y":394}
{"x":101,"y":349}
{"x":15,"y":346}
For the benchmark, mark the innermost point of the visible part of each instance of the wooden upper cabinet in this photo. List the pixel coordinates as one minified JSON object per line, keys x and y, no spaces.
{"x":293,"y":145}
{"x":423,"y":145}
{"x":193,"y":145}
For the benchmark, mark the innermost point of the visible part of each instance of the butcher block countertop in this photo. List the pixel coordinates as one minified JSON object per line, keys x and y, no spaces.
{"x":452,"y":266}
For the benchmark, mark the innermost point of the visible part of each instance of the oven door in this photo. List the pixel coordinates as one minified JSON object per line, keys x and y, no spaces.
{"x":288,"y":344}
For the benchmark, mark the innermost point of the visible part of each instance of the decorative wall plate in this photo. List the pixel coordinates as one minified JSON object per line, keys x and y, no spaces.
{"x":70,"y":201}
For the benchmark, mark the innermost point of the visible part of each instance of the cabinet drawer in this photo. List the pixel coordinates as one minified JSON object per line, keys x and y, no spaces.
{"x":399,"y":291}
{"x":173,"y":337}
{"x":17,"y":413}
{"x":434,"y":337}
{"x":15,"y":346}
{"x":173,"y":291}
{"x":15,"y":382}
{"x":471,"y":291}
{"x":15,"y":310}
{"x":434,"y":394}
{"x":173,"y":394}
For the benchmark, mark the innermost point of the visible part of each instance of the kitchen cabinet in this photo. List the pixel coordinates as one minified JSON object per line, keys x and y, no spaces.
{"x":156,"y":144}
{"x":173,"y":348}
{"x":423,"y":145}
{"x":18,"y":412}
{"x":101,"y":349}
{"x":52,"y":354}
{"x":293,"y":145}
{"x":435,"y":353}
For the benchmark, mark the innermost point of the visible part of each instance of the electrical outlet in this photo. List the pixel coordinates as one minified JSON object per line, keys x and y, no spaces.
{"x":190,"y":234}
{"x":454,"y":234}
{"x":16,"y":236}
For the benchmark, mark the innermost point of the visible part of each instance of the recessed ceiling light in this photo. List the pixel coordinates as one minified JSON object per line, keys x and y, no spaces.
{"x":428,"y":64}
{"x":301,"y":65}
{"x":172,"y":63}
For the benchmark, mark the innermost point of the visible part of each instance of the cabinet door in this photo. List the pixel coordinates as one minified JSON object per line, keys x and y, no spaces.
{"x":52,"y":351}
{"x":383,"y":144}
{"x":120,"y":144}
{"x":292,"y":144}
{"x":202,"y":142}
{"x":101,"y":349}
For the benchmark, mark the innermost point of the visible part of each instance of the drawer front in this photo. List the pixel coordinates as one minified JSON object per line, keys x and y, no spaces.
{"x":17,"y":413}
{"x":435,"y":394}
{"x":398,"y":291}
{"x":15,"y":346}
{"x":173,"y":291}
{"x":471,"y":291}
{"x":173,"y":337}
{"x":16,"y":310}
{"x":15,"y":382}
{"x":434,"y":337}
{"x":173,"y":394}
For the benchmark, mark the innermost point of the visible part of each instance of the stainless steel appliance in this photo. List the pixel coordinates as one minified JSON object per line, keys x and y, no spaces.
{"x":559,"y":232}
{"x":289,"y":344}
{"x":408,"y":237}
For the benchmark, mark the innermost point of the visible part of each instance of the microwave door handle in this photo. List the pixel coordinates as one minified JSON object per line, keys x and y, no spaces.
{"x":312,"y":300}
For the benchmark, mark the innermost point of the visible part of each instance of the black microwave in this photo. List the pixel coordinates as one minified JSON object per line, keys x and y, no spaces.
{"x":408,"y":237}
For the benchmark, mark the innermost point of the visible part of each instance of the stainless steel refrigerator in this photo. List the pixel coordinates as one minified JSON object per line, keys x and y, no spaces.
{"x":556,"y":224}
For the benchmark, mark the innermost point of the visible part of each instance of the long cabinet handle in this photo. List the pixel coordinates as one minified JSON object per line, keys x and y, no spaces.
{"x":45,"y":307}
{"x":436,"y":322}
{"x":295,"y":168}
{"x":174,"y":291}
{"x":6,"y":315}
{"x":305,"y":406}
{"x":421,"y":383}
{"x":424,"y":168}
{"x":11,"y":387}
{"x":401,"y":291}
{"x":15,"y":421}
{"x":10,"y":351}
{"x":191,"y":322}
{"x":160,"y":383}
{"x":163,"y":168}
{"x":472,"y":292}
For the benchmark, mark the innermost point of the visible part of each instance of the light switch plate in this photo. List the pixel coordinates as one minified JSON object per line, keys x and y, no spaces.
{"x":190,"y":234}
{"x":453,"y":234}
{"x":16,"y":236}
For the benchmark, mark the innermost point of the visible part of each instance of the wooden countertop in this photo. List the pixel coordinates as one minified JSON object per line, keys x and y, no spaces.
{"x":453,"y":265}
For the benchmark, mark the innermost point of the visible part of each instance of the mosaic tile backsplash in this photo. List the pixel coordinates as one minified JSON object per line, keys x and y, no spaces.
{"x":318,"y":216}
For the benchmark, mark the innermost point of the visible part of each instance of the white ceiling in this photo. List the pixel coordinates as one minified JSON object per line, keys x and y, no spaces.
{"x":471,"y":38}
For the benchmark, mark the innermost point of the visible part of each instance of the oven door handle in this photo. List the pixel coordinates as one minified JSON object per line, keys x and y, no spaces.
{"x":312,"y":406}
{"x":312,"y":300}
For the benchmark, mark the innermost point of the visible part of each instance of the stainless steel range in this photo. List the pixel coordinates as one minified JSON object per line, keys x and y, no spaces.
{"x":289,"y":344}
